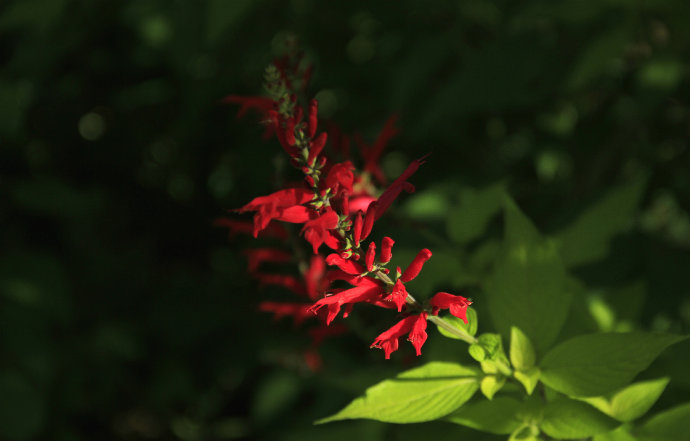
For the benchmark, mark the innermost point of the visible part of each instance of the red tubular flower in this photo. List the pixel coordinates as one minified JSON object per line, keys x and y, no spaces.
{"x":311,"y":126}
{"x":398,"y":295}
{"x":284,"y":280}
{"x":373,"y":154}
{"x":415,"y":267}
{"x":345,"y":265}
{"x":386,"y":249}
{"x":340,"y":177}
{"x":316,"y":146}
{"x":417,"y":335}
{"x":362,"y":293}
{"x":257,"y":256}
{"x":315,"y":277}
{"x":316,"y":231}
{"x":457,"y":305}
{"x":290,"y":131}
{"x":370,"y":256}
{"x":369,"y":220}
{"x":415,"y":325}
{"x":262,"y":104}
{"x":236,"y":227}
{"x":397,"y":186}
{"x":357,"y":229}
{"x":298,"y":311}
{"x":282,"y":198}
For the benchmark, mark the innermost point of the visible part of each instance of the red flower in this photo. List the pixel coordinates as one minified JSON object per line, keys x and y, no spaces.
{"x":415,"y":267}
{"x":257,"y":256}
{"x":386,"y":247}
{"x":373,"y":154}
{"x":315,"y":277}
{"x":397,"y":186}
{"x":285,"y":280}
{"x":315,"y":147}
{"x":340,"y":177}
{"x":370,"y":256}
{"x":365,"y":290}
{"x":414,"y":326}
{"x":298,"y":311}
{"x":347,"y":265}
{"x":285,"y":205}
{"x":236,"y":227}
{"x":317,"y":231}
{"x":456,"y":304}
{"x":398,"y":295}
{"x":262,"y":104}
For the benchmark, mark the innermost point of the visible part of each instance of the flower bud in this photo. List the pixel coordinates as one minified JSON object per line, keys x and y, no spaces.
{"x":386,"y":246}
{"x":415,"y":267}
{"x":371,"y":254}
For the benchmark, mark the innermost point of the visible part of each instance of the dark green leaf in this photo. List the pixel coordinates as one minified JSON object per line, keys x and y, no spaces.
{"x":588,"y":238}
{"x":495,"y":416}
{"x":528,"y":286}
{"x":670,"y":425}
{"x":597,"y":364}
{"x":468,"y":220}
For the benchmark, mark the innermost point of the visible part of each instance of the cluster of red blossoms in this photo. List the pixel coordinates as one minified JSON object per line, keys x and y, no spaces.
{"x":337,"y":207}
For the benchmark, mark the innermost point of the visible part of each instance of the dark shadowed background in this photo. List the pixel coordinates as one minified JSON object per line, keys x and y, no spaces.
{"x":124,"y":314}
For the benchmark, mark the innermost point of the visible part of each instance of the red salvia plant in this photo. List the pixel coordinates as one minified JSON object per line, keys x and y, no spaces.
{"x":337,"y":206}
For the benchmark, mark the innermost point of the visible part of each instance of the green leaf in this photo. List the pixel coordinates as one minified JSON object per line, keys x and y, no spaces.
{"x":491,"y":384}
{"x":620,"y":434}
{"x":631,"y":402}
{"x":495,"y":416}
{"x":528,"y":378}
{"x":489,"y":352}
{"x":470,"y":327}
{"x":528,"y":286}
{"x":469,"y":219}
{"x":670,"y":425}
{"x":526,"y":432}
{"x":597,"y":364}
{"x":569,"y":419}
{"x":425,"y":393}
{"x":588,"y":238}
{"x":521,"y":351}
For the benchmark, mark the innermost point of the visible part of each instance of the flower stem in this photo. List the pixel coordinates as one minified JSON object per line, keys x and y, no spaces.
{"x":457,"y":332}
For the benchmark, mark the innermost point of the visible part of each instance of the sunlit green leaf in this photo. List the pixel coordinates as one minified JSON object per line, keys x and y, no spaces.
{"x":422,"y":394}
{"x":570,"y":419}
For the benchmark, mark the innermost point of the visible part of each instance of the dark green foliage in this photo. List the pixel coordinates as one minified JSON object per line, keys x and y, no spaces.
{"x":125,"y":315}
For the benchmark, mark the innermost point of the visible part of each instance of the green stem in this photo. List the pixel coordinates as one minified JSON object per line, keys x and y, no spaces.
{"x":457,"y":332}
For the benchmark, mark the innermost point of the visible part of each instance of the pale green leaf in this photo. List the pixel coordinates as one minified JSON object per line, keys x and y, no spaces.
{"x":528,"y":285}
{"x":425,"y":393}
{"x":570,"y":419}
{"x":597,"y":364}
{"x":521,"y":351}
{"x":491,"y":384}
{"x":495,"y":416}
{"x":528,"y":378}
{"x":636,"y":399}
